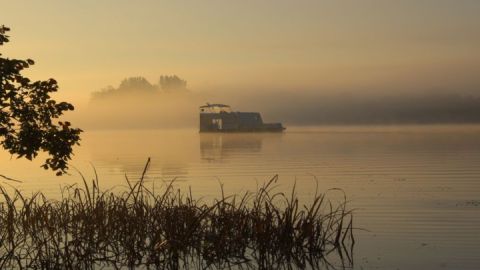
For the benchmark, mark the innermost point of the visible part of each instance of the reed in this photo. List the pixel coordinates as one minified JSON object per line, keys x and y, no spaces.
{"x":90,"y":228}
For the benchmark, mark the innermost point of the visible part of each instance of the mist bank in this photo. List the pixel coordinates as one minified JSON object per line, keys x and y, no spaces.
{"x":155,"y":110}
{"x":310,"y":108}
{"x":138,"y":104}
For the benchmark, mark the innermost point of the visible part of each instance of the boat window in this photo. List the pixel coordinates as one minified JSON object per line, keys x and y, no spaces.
{"x":217,"y":123}
{"x":215,"y":108}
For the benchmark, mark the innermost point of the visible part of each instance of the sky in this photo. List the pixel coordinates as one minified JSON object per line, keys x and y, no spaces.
{"x":325,"y":46}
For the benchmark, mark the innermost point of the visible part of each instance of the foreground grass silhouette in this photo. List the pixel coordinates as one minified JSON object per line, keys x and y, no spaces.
{"x":139,"y":228}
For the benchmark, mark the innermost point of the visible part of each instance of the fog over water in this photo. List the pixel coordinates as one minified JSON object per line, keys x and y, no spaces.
{"x":326,"y":47}
{"x":154,"y":107}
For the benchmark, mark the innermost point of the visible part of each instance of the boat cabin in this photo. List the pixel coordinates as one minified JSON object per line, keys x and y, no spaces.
{"x":221,"y":118}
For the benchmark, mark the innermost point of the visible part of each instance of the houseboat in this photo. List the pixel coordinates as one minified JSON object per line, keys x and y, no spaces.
{"x":221,"y":118}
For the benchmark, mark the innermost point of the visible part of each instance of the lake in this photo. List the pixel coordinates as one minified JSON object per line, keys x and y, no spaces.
{"x":415,"y":189}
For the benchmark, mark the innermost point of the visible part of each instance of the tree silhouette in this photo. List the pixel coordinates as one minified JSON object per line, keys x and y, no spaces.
{"x":139,"y":84}
{"x":27,"y":113}
{"x":172,"y":83}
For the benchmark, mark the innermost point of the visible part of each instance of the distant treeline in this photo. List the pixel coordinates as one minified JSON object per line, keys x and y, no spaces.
{"x":137,"y":103}
{"x":400,"y":109}
{"x":140,"y":85}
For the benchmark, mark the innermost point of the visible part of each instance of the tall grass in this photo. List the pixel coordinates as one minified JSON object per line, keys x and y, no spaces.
{"x":89,"y":228}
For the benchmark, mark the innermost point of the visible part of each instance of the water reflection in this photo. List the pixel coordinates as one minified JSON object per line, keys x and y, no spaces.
{"x":171,"y":152}
{"x":407,"y":183}
{"x":174,"y":170}
{"x":218,"y":146}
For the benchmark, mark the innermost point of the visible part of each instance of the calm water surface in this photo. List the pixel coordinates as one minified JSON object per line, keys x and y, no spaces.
{"x":416,"y":190}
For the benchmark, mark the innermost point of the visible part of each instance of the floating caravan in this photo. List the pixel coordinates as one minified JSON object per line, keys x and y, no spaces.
{"x":221,"y":118}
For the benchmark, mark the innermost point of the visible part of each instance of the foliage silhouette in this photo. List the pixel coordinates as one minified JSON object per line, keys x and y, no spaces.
{"x":136,"y":83}
{"x":143,"y":227}
{"x":172,"y":83}
{"x":27,"y":114}
{"x":141,"y":87}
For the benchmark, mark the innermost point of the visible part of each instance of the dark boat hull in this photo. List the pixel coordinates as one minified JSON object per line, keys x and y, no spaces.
{"x":236,"y":122}
{"x":265,"y":130}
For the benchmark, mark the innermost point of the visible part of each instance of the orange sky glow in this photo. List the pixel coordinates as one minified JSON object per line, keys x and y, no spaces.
{"x":320,"y":45}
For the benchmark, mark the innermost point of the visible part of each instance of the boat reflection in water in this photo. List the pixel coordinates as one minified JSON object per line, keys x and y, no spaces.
{"x":220,"y":146}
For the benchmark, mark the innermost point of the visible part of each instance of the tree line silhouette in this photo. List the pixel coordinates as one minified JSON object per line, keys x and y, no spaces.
{"x":402,"y":109}
{"x":140,"y":85}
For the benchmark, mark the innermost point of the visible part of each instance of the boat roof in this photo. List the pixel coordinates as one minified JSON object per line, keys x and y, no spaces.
{"x":215,"y":105}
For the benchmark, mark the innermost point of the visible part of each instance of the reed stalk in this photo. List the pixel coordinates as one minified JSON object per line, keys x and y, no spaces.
{"x":90,"y":228}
